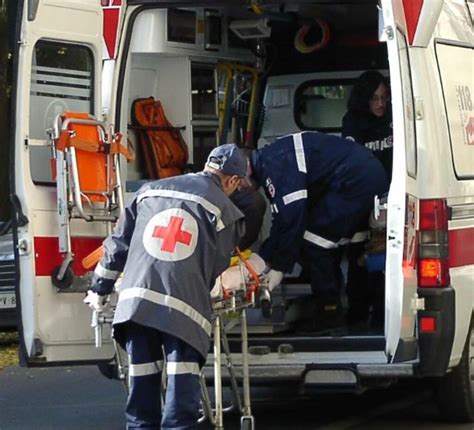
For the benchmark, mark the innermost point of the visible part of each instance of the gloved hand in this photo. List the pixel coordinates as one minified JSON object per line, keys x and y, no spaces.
{"x":216,"y":292}
{"x":272,"y":278}
{"x":231,"y":278}
{"x":96,"y":303}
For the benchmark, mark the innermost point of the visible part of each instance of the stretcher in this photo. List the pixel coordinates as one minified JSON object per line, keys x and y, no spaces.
{"x":251,"y":292}
{"x":85,"y":164}
{"x":233,"y":302}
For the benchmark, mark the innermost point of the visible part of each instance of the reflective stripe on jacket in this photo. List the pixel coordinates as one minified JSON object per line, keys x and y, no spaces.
{"x":175,"y":238}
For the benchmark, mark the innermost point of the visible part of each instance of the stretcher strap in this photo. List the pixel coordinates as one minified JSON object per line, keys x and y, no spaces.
{"x":249,"y":267}
{"x":67,"y":140}
{"x":117,"y":148}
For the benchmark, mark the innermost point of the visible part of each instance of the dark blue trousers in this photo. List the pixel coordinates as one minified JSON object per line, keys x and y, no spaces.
{"x":146,"y":348}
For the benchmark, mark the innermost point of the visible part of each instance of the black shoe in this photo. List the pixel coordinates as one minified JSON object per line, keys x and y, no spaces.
{"x":328,"y":318}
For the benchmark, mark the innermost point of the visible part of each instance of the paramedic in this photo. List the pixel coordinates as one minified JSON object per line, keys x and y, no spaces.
{"x":368,"y":121}
{"x":175,"y":237}
{"x":253,"y":205}
{"x":320,"y":188}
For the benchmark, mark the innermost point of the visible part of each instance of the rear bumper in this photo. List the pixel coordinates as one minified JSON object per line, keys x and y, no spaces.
{"x":335,"y":372}
{"x":435,"y":348}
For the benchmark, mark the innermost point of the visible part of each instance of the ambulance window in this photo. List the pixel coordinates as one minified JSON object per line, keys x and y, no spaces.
{"x":408,"y":105}
{"x":320,"y":105}
{"x":455,"y":64}
{"x":203,"y":91}
{"x":182,"y":26}
{"x":61,"y":80}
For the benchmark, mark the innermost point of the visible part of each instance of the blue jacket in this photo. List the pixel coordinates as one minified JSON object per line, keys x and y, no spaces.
{"x":317,"y":184}
{"x":175,"y":237}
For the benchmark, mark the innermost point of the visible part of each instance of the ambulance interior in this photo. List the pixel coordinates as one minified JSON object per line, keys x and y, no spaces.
{"x":248,"y":75}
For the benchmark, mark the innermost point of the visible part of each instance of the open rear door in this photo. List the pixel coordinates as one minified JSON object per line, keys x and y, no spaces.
{"x":58,"y":52}
{"x":400,"y":298}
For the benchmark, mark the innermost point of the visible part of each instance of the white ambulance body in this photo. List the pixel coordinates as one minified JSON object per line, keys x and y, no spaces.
{"x":171,"y":51}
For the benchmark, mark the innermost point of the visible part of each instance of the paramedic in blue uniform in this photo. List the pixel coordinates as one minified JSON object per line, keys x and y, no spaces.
{"x":175,"y":237}
{"x":320,"y":188}
{"x":368,"y":121}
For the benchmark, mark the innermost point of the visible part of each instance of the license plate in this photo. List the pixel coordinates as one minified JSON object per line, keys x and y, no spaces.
{"x":7,"y":300}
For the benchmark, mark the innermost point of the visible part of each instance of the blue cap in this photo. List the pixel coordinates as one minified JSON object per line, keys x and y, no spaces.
{"x":229,"y":160}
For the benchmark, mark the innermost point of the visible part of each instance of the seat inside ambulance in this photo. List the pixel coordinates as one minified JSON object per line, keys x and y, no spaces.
{"x":304,"y":79}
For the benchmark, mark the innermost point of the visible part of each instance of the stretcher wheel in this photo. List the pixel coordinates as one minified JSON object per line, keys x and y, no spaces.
{"x":67,"y":280}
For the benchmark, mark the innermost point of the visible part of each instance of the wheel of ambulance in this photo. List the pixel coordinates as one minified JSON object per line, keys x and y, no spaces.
{"x":455,"y":391}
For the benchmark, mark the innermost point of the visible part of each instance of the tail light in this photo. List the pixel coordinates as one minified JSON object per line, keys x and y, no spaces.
{"x":433,"y":251}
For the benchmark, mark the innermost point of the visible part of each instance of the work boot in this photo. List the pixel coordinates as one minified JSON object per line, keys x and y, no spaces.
{"x":328,"y":316}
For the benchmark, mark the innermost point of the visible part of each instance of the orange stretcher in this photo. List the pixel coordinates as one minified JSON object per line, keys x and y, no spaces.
{"x":85,"y":164}
{"x":163,"y":147}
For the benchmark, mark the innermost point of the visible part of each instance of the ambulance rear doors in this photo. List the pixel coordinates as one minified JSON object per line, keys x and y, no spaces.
{"x":400,"y":291}
{"x":58,"y":62}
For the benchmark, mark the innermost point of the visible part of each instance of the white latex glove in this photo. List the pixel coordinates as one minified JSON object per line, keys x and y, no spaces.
{"x":272,"y":278}
{"x":96,"y":303}
{"x":216,"y":292}
{"x":231,"y":278}
{"x":118,"y":283}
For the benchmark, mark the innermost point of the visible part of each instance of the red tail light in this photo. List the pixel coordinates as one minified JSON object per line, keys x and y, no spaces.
{"x":433,"y":264}
{"x":427,"y":324}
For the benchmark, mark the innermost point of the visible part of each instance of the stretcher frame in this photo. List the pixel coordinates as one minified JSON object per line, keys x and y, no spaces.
{"x":235,"y":303}
{"x":107,"y":204}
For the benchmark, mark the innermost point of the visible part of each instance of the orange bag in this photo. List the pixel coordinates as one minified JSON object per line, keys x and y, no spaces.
{"x":164,"y":149}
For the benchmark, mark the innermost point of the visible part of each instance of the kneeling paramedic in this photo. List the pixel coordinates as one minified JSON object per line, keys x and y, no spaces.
{"x":320,"y":188}
{"x":175,"y":237}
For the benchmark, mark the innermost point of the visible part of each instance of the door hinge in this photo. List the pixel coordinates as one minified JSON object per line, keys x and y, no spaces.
{"x":418,"y":304}
{"x":24,"y":247}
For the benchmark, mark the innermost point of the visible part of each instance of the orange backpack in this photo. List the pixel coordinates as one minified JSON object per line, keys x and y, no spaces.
{"x":164,"y":149}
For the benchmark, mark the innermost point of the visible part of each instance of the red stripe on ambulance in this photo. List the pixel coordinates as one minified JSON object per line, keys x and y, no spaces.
{"x":47,"y":256}
{"x":461,"y":247}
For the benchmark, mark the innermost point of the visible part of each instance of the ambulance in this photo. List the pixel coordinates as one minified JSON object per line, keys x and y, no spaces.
{"x":248,"y":72}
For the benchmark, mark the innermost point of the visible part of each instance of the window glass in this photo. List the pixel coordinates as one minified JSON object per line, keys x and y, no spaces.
{"x":456,"y":69}
{"x":182,"y":26}
{"x":320,"y":105}
{"x":408,"y":105}
{"x":61,"y":80}
{"x":203,"y":91}
{"x":213,"y":29}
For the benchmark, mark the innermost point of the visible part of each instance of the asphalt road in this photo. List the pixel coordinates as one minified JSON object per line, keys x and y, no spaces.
{"x":79,"y":398}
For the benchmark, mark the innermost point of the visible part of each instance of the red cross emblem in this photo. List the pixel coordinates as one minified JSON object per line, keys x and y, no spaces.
{"x":172,"y":234}
{"x":470,"y":131}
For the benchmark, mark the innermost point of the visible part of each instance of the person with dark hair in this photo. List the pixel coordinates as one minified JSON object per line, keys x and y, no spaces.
{"x":320,"y":188}
{"x":368,"y":121}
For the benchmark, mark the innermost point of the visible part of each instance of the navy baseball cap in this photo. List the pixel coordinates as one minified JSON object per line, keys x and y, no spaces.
{"x":229,"y":160}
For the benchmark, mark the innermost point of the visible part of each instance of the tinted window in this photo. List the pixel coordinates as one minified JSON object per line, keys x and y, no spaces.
{"x":61,"y":80}
{"x":320,"y":105}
